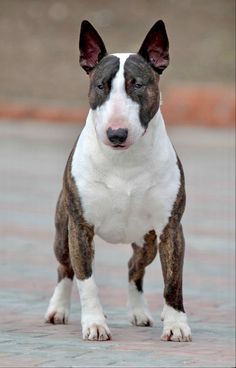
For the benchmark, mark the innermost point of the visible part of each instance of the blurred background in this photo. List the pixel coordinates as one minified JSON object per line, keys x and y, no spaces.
{"x":39,"y":53}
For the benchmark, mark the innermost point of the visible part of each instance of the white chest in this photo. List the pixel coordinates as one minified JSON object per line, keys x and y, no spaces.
{"x":125,"y":196}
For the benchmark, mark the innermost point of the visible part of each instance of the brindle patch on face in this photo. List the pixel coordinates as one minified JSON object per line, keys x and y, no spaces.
{"x":141,"y":258}
{"x":141,"y":84}
{"x":100,"y":80}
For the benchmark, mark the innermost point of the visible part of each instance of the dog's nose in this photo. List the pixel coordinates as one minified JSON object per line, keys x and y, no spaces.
{"x":117,"y":136}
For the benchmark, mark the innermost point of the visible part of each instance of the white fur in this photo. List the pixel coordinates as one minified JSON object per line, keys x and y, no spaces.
{"x":176,"y":327}
{"x":93,"y":322}
{"x":139,"y":313}
{"x":59,"y":305}
{"x":125,"y":194}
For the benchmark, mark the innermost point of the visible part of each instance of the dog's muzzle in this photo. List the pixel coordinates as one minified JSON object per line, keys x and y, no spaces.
{"x":117,"y":136}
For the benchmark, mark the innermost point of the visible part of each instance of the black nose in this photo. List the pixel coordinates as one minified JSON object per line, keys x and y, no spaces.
{"x":117,"y":136}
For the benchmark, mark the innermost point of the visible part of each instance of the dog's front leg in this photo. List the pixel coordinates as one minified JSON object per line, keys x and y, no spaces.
{"x":93,"y":322}
{"x":141,"y":258}
{"x":171,"y":250}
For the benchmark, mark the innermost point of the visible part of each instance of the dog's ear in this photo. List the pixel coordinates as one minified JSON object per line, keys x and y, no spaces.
{"x":155,"y":47}
{"x":92,"y":48}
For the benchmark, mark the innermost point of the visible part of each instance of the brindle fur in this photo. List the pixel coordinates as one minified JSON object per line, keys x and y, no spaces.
{"x":137,"y":70}
{"x":171,"y":250}
{"x":61,"y":248}
{"x":141,"y":258}
{"x":102,"y":75}
{"x":73,"y":244}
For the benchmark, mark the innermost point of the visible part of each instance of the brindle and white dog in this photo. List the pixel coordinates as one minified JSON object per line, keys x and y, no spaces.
{"x":124,"y":182}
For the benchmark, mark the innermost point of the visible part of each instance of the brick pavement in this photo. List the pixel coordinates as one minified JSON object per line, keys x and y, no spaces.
{"x":32,"y":159}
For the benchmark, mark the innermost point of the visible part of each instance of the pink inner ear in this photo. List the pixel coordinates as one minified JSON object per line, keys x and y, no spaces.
{"x":91,"y":55}
{"x":155,"y":48}
{"x":92,"y":48}
{"x":158,"y":57}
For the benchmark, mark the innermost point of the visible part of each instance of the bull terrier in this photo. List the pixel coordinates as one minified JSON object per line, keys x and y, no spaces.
{"x":125,"y":183}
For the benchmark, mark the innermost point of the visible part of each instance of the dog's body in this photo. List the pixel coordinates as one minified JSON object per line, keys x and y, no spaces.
{"x":135,"y":190}
{"x":123,"y":182}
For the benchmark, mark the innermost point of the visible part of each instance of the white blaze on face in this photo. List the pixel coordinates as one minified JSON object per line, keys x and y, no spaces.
{"x":119,"y":111}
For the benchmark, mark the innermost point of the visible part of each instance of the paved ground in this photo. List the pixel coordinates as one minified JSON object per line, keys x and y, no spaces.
{"x":32,"y":158}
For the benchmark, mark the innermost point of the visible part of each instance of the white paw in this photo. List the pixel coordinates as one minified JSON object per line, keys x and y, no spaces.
{"x":139,"y":313}
{"x":57,"y":314}
{"x":175,"y":327}
{"x":96,"y":331}
{"x":93,"y":322}
{"x":141,"y":317}
{"x":59,"y":307}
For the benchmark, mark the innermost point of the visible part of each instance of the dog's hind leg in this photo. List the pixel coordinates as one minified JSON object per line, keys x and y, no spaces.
{"x":141,"y":258}
{"x":59,"y":306}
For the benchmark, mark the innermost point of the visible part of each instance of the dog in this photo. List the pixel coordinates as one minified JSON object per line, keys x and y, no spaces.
{"x":125,"y":183}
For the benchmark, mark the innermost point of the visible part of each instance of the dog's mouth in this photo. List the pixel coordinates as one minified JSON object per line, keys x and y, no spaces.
{"x":119,"y":147}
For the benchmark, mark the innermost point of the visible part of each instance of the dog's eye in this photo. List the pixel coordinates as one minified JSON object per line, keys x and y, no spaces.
{"x":138,"y":85}
{"x":100,"y":86}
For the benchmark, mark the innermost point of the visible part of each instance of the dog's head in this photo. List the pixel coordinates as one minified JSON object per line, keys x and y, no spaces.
{"x":124,"y":94}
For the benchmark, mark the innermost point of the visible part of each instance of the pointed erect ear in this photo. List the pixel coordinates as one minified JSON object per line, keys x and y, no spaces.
{"x":155,"y":47}
{"x":92,"y":48}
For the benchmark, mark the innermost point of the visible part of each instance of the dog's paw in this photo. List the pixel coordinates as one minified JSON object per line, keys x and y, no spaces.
{"x":175,"y":327}
{"x":141,"y":317}
{"x":59,"y":307}
{"x":178,"y":333}
{"x":96,"y":331}
{"x":138,"y":308}
{"x":57,"y":315}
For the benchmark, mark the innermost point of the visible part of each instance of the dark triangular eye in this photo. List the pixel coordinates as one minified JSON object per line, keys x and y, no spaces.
{"x":100,"y":86}
{"x":138,"y":85}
